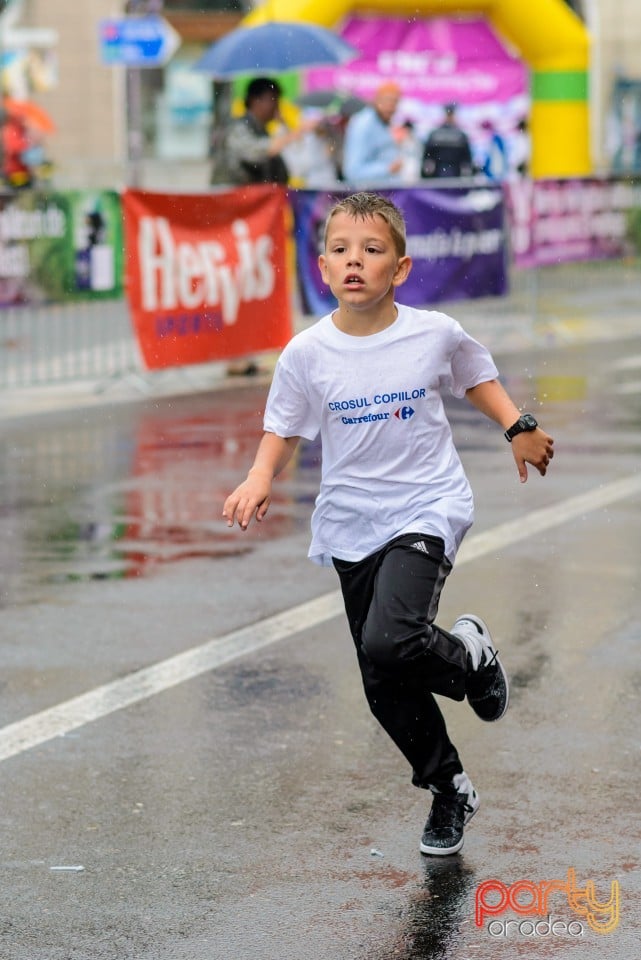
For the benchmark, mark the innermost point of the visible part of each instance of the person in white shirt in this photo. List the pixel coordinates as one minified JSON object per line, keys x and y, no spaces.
{"x":394,"y":501}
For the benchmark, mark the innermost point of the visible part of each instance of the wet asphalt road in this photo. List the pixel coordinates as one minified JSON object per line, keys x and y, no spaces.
{"x":256,"y":811}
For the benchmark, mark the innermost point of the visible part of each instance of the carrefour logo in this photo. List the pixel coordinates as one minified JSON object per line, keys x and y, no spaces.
{"x":404,"y":413}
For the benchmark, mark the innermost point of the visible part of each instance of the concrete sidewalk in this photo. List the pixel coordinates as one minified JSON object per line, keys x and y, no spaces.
{"x":553,"y":306}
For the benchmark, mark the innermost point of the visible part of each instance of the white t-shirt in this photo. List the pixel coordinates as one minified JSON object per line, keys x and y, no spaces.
{"x":389,"y":465}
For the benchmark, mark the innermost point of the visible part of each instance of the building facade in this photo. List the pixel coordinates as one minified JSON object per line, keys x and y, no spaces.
{"x":155,"y":129}
{"x":101,"y":138}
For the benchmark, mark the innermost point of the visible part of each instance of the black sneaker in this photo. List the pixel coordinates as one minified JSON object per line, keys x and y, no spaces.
{"x":486,"y":685}
{"x":443,"y":833}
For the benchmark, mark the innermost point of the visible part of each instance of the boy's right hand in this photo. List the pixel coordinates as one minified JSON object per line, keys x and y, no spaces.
{"x":252,"y":497}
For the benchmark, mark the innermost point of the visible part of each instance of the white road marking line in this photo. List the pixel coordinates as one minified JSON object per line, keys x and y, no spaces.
{"x":16,"y":738}
{"x":101,"y":701}
{"x":539,"y":520}
{"x":632,"y":362}
{"x":628,"y":387}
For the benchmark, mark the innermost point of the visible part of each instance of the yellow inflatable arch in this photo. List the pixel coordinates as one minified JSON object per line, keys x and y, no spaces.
{"x":553,"y":41}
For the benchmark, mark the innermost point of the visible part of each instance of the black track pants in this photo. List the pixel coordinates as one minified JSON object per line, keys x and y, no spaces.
{"x":391,"y":598}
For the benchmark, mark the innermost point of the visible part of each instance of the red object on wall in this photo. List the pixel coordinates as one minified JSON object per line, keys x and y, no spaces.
{"x":206,"y":274}
{"x":30,"y":113}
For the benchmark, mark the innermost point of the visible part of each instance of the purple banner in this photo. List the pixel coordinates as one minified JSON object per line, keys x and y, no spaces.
{"x":456,"y":239}
{"x":561,"y":221}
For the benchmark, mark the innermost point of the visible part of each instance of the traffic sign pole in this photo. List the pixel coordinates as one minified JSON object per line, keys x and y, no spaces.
{"x":136,"y":42}
{"x":133,"y":87}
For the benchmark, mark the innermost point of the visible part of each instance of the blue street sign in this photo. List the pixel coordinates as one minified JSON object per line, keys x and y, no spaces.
{"x":137,"y":41}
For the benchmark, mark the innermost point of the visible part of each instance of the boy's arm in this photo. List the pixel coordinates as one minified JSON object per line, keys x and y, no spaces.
{"x":253,"y":495}
{"x":534,"y":446}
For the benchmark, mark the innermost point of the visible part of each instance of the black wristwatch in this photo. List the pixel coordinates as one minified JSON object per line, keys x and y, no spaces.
{"x":524,"y":424}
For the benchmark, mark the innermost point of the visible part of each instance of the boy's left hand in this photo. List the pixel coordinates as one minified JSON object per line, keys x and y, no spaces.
{"x":535,"y":447}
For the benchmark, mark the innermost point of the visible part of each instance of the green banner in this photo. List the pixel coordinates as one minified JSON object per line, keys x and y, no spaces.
{"x":57,"y":247}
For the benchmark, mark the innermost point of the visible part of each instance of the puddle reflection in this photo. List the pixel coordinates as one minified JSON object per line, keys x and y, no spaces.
{"x":435,"y":918}
{"x":117,"y":499}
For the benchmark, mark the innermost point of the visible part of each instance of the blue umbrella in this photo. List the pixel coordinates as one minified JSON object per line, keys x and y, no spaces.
{"x":274,"y":47}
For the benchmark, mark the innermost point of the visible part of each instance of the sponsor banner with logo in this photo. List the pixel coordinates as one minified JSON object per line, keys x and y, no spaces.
{"x":440,"y":60}
{"x":206,"y":275}
{"x":562,"y":221}
{"x":456,"y":239}
{"x":56,"y":247}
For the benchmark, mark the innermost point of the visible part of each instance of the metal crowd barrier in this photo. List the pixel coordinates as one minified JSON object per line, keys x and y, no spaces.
{"x":59,"y":343}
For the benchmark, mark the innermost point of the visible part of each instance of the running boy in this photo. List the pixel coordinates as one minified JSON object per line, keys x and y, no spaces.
{"x":394,"y":502}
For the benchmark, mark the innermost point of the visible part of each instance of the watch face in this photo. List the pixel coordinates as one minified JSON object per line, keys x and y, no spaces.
{"x":524,"y":424}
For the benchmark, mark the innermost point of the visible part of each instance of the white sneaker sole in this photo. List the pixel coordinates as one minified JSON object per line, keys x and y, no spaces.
{"x":482,"y":624}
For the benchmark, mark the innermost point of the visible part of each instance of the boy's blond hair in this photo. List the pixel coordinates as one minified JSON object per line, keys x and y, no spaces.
{"x":364,"y":205}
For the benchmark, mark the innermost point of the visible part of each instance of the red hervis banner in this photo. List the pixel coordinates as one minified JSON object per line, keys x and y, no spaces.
{"x":206,"y":274}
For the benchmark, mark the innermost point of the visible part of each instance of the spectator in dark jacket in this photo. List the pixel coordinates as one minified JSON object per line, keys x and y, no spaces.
{"x":447,"y":151}
{"x":247,"y":151}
